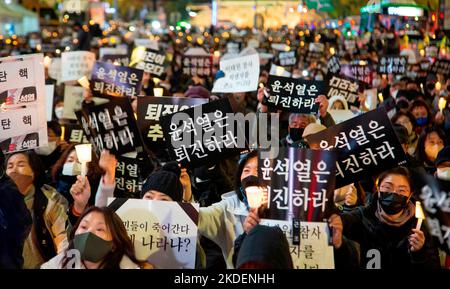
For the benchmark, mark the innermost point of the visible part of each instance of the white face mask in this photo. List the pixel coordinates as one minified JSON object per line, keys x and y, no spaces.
{"x":394,"y":93}
{"x":59,"y":111}
{"x":443,"y":174}
{"x":376,"y":82}
{"x":319,"y":77}
{"x":47,"y":150}
{"x":71,"y":169}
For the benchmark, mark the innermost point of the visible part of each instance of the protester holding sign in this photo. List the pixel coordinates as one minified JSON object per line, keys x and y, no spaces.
{"x":386,"y":227}
{"x":48,"y":207}
{"x":98,"y":240}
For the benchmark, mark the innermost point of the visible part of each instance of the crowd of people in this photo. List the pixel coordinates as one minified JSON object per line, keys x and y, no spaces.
{"x":47,"y":208}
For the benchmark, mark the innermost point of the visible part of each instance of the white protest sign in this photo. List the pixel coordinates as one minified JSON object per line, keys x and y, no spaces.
{"x":163,"y":233}
{"x":371,"y":98}
{"x":196,"y":51}
{"x":147,"y":43}
{"x":313,"y":251}
{"x":253,"y":43}
{"x":54,"y":69}
{"x":119,"y":50}
{"x":73,"y":97}
{"x":341,"y":115}
{"x":49,"y":91}
{"x":279,"y":71}
{"x":316,"y":47}
{"x":22,"y":98}
{"x":74,"y":6}
{"x":241,"y":75}
{"x":280,"y":46}
{"x":76,"y":65}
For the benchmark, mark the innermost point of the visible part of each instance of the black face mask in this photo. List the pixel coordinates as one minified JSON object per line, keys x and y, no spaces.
{"x":296,"y":133}
{"x":392,"y":203}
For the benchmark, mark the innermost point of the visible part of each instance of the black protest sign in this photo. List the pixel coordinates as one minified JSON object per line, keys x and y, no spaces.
{"x":441,"y":66}
{"x":366,"y":145}
{"x":300,"y":183}
{"x":203,"y":134}
{"x":200,"y":65}
{"x":357,"y":71}
{"x":150,"y":109}
{"x":73,"y":133}
{"x":111,"y":80}
{"x":151,"y":61}
{"x":117,"y":59}
{"x":111,"y":126}
{"x":287,"y":58}
{"x":434,"y":195}
{"x":392,"y":64}
{"x":333,"y":65}
{"x":295,"y":95}
{"x":348,"y":88}
{"x":128,"y":180}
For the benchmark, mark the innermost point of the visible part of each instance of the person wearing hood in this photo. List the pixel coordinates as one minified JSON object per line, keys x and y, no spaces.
{"x":99,"y":240}
{"x":264,"y":248}
{"x":15,"y":222}
{"x":388,"y":225}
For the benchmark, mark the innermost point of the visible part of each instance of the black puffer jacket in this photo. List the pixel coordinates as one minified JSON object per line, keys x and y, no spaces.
{"x":15,"y":224}
{"x":362,"y":226}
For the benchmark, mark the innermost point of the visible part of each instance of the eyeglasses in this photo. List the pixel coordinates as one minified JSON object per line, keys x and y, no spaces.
{"x":390,"y":188}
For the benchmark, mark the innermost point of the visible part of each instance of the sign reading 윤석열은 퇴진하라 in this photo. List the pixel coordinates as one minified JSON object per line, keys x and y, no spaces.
{"x":300,"y":183}
{"x":295,"y":95}
{"x":203,"y":134}
{"x":365,"y":145}
{"x":23,"y":115}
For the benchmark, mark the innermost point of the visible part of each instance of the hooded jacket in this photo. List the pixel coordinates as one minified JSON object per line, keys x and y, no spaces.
{"x":56,"y":263}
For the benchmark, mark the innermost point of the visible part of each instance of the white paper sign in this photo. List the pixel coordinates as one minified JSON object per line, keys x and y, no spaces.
{"x":49,"y":91}
{"x":73,"y":97}
{"x":313,"y":251}
{"x":279,"y":71}
{"x":241,"y":75}
{"x":76,"y":64}
{"x":341,"y":115}
{"x":147,"y":43}
{"x":54,"y":69}
{"x":23,"y":122}
{"x":75,"y":6}
{"x":164,"y":233}
{"x":119,"y":50}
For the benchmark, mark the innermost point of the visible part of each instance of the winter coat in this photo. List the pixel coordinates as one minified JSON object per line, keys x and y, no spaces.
{"x":15,"y":224}
{"x":361,"y":225}
{"x":223,"y":222}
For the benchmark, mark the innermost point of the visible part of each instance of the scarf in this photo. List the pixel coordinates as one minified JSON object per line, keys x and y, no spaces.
{"x":387,"y":219}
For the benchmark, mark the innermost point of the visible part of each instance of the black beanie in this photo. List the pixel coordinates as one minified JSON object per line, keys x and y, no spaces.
{"x":166,"y":180}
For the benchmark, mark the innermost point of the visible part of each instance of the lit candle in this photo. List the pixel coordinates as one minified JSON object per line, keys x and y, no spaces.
{"x":442,"y":103}
{"x":158,"y":91}
{"x":84,"y":156}
{"x":255,"y":196}
{"x":419,"y":215}
{"x":84,"y":82}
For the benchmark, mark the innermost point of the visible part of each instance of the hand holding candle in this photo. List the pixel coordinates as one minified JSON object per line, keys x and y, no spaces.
{"x":84,"y":156}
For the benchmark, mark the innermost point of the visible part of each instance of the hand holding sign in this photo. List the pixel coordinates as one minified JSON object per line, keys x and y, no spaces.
{"x":335,"y":223}
{"x":323,"y":105}
{"x":108,"y":163}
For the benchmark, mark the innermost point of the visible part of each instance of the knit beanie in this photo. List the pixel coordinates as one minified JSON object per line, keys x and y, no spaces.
{"x":166,"y":180}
